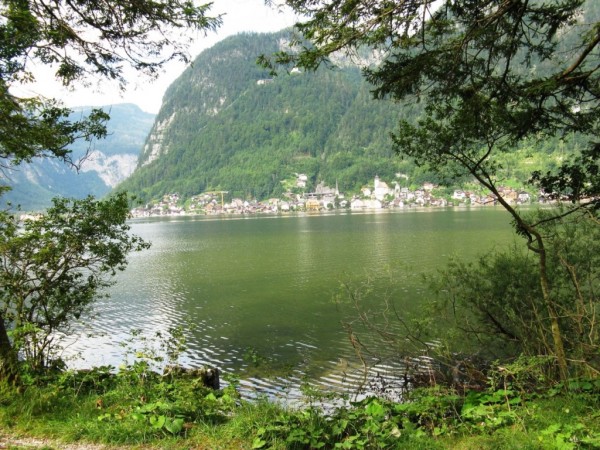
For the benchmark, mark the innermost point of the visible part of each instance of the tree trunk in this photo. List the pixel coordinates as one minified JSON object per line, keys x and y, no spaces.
{"x":536,"y":244}
{"x":8,"y":358}
{"x":559,"y":348}
{"x":555,"y":331}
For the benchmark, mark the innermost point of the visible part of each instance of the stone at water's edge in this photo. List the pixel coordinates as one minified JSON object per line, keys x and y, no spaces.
{"x":210,"y":376}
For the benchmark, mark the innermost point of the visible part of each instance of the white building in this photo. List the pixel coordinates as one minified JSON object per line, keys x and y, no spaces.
{"x":380,"y":189}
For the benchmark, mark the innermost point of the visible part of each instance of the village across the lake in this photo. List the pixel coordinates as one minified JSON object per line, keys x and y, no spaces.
{"x":378,"y":196}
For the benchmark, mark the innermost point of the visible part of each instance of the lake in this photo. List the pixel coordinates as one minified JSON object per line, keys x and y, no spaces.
{"x":259,"y":296}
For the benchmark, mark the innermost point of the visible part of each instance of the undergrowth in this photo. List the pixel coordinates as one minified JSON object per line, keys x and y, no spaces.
{"x":138,"y":405}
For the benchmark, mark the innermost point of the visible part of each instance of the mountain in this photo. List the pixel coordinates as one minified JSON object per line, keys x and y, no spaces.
{"x":111,"y":161}
{"x":225,"y":124}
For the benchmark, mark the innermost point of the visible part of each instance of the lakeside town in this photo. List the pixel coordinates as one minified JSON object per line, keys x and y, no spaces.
{"x":379,"y":195}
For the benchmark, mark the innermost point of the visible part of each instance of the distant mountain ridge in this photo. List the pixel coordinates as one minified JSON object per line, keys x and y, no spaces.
{"x":111,"y":161}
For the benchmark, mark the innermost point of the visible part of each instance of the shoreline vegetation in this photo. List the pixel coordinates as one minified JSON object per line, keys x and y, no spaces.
{"x":152,"y":402}
{"x":138,"y":408}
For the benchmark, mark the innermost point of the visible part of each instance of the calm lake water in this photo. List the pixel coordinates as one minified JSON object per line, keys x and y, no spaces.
{"x":256,"y":295}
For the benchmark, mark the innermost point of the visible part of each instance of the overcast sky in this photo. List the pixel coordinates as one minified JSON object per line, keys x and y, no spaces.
{"x":240,"y":15}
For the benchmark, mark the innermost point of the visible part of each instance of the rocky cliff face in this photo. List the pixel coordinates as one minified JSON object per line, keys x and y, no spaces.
{"x":110,"y":162}
{"x":111,"y":169}
{"x":213,"y":83}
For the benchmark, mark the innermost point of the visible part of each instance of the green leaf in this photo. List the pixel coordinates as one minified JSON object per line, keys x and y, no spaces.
{"x":258,"y":443}
{"x":137,"y":416}
{"x":552,"y":429}
{"x":175,"y":426}
{"x":157,"y":421}
{"x":375,"y":409}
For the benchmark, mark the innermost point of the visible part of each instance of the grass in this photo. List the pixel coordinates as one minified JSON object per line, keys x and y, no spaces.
{"x":136,"y":408}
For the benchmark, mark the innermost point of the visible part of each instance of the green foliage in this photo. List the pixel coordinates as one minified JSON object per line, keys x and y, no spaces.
{"x":55,"y":266}
{"x":437,"y":418}
{"x":133,"y":404}
{"x":491,"y":300}
{"x":366,"y":425}
{"x":495,"y":304}
{"x":143,"y":35}
{"x":137,"y":406}
{"x":56,"y":35}
{"x":164,"y":407}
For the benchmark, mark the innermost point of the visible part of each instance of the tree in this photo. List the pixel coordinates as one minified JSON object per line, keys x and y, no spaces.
{"x":53,"y":267}
{"x":489,"y":73}
{"x":516,"y":324}
{"x":80,"y":41}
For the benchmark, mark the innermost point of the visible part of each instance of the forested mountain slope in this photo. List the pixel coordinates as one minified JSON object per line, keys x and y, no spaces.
{"x":226,"y":124}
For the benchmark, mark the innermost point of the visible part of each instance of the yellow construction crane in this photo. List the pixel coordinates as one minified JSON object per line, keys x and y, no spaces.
{"x":218,"y":192}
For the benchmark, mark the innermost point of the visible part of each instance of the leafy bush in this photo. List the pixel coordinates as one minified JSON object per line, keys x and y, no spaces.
{"x":498,"y":305}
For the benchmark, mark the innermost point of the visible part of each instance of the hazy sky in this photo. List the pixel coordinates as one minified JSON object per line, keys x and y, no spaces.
{"x":240,"y":15}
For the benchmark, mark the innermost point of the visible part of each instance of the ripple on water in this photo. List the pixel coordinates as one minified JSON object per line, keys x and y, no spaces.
{"x":268,"y":285}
